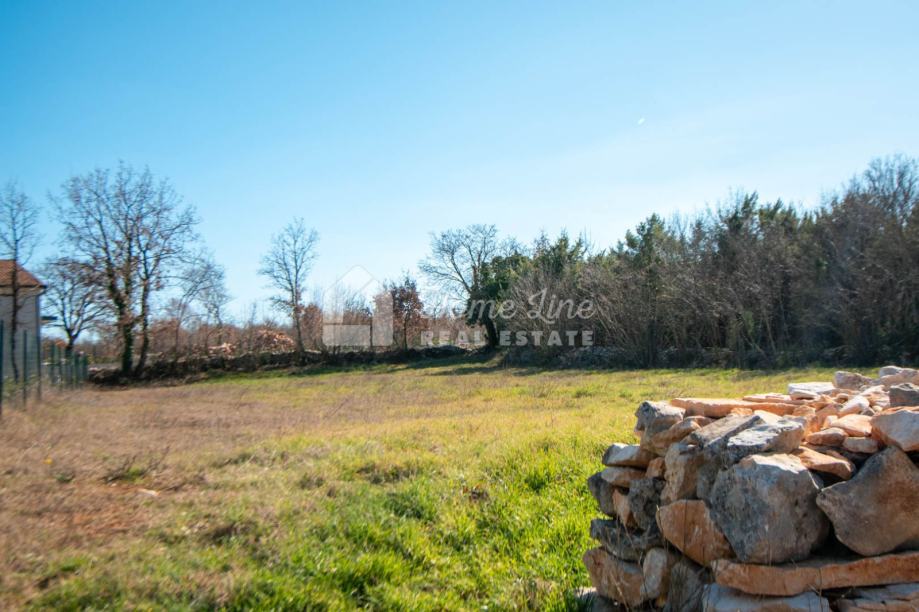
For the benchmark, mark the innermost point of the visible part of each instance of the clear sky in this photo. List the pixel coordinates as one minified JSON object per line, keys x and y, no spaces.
{"x":379,"y":122}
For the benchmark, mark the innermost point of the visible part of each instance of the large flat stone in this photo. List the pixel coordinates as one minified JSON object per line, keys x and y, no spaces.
{"x":831,"y":436}
{"x":626,"y":544}
{"x":892,"y":598}
{"x":838,"y":466}
{"x":857,"y":425}
{"x":766,"y":507}
{"x":716,"y":408}
{"x":773,"y":398}
{"x":782,"y":436}
{"x":718,"y":598}
{"x":721,"y":430}
{"x":878,"y":510}
{"x":614,"y":578}
{"x":817,"y":574}
{"x":809,"y":390}
{"x":867,"y":446}
{"x":688,"y":525}
{"x":626,"y":455}
{"x":898,"y":428}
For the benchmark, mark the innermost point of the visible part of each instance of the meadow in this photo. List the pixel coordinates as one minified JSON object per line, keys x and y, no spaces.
{"x":441,"y":485}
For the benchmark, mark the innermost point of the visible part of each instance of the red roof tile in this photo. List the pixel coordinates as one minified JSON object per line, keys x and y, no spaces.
{"x":26,"y":278}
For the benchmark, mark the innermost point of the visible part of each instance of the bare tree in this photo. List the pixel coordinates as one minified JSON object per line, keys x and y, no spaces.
{"x":134,"y":231}
{"x":199,"y":280}
{"x":73,"y":297}
{"x":214,"y":298}
{"x":286,"y":266}
{"x":18,"y":239}
{"x":457,"y":265}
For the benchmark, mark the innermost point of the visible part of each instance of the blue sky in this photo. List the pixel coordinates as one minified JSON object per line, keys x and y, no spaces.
{"x":380,"y":122}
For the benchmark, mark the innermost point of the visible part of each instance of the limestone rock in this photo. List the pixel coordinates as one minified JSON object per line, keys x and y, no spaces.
{"x":656,"y":415}
{"x":838,"y":466}
{"x":857,"y":425}
{"x":621,"y":476}
{"x":716,"y":408}
{"x":682,"y":465}
{"x":892,"y":375}
{"x":775,"y":435}
{"x":876,"y":511}
{"x":662,"y":441}
{"x":773,"y":398}
{"x":817,"y":574}
{"x":857,"y":405}
{"x":850,"y":380}
{"x":687,"y":586}
{"x":809,"y":390}
{"x":723,"y":599}
{"x":688,"y":525}
{"x":621,"y":508}
{"x":867,"y":446}
{"x":831,"y":436}
{"x":603,"y":493}
{"x":657,"y":468}
{"x":626,"y":455}
{"x":820,"y":418}
{"x":783,"y":436}
{"x":614,"y":578}
{"x":644,"y":500}
{"x":766,"y":507}
{"x":899,"y":428}
{"x":626,"y":544}
{"x":904,"y":394}
{"x":656,"y":569}
{"x":723,"y":429}
{"x":893,"y":598}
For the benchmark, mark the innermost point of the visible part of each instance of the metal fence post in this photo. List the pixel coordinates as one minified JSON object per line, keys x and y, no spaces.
{"x":25,"y":367}
{"x":38,"y":364}
{"x":1,"y":367}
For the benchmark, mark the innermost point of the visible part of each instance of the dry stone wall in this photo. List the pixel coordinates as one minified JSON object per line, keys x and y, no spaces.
{"x":778,"y":502}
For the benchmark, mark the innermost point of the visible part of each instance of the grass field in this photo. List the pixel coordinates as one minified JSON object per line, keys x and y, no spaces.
{"x":453,"y":486}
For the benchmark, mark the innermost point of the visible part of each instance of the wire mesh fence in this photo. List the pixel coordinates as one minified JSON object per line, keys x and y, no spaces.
{"x":29,"y":368}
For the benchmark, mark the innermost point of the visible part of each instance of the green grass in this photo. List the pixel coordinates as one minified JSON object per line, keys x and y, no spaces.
{"x":466,"y":491}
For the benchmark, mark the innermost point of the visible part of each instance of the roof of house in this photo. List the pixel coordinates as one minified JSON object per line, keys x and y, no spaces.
{"x":26,"y":279}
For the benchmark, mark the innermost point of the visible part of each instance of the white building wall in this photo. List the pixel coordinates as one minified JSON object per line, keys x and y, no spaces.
{"x":29,"y":320}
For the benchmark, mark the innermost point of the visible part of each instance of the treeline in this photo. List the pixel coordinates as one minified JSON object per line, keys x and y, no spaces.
{"x":748,"y":283}
{"x":131,"y":282}
{"x":751,"y":283}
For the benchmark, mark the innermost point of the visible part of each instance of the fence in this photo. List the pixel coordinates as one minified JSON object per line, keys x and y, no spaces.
{"x":30,"y":368}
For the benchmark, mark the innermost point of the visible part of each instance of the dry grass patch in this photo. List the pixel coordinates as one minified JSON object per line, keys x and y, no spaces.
{"x":446,"y":486}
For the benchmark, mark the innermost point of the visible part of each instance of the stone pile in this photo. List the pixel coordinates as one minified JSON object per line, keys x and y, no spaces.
{"x":804,"y":500}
